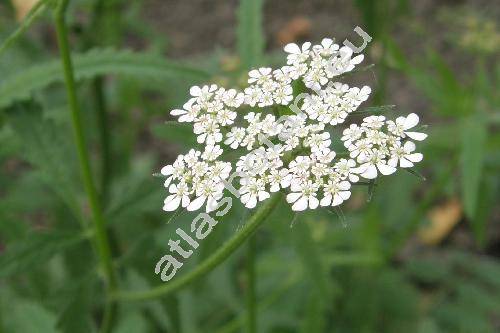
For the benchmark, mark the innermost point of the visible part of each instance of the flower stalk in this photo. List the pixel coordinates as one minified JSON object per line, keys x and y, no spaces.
{"x":210,"y":263}
{"x":100,"y":241}
{"x":251,"y":286}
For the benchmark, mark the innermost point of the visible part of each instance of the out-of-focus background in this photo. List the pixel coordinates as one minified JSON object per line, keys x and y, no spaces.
{"x":421,"y":256}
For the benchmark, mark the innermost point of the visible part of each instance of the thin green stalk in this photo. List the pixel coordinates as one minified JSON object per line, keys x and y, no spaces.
{"x":103,"y":125}
{"x":211,"y":262}
{"x":37,"y":10}
{"x":101,"y":237}
{"x":251,"y":289}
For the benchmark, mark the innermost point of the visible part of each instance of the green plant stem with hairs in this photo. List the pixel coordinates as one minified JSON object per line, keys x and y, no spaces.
{"x":101,"y":241}
{"x":211,"y":262}
{"x":251,"y":286}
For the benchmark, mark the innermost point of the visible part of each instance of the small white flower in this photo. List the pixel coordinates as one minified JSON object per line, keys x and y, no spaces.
{"x":360,"y":149}
{"x":192,"y":157}
{"x":318,"y":141}
{"x":303,"y":195}
{"x":373,"y":122}
{"x":335,"y":192}
{"x":204,"y":93}
{"x":351,"y":134}
{"x":179,"y":195}
{"x":279,"y":178}
{"x":297,"y":54}
{"x":211,"y":153}
{"x":174,"y":171}
{"x":252,"y":95}
{"x":233,"y":98}
{"x":346,"y":169}
{"x":225,"y":117}
{"x":207,"y":191}
{"x":300,"y":165}
{"x":372,"y":162}
{"x":252,"y":191}
{"x":260,"y":76}
{"x":405,"y":155}
{"x":189,"y":112}
{"x":235,"y":137}
{"x":402,"y":124}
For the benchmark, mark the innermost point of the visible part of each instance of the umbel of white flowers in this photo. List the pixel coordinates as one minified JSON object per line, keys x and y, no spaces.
{"x":293,"y":153}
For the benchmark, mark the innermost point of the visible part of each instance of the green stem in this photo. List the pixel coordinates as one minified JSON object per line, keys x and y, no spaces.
{"x":100,"y":235}
{"x":37,"y":10}
{"x":210,"y":263}
{"x":103,"y":125}
{"x":251,"y":289}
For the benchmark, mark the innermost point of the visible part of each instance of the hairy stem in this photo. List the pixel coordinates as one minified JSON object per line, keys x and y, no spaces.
{"x":211,"y":262}
{"x":251,"y":289}
{"x":100,"y":236}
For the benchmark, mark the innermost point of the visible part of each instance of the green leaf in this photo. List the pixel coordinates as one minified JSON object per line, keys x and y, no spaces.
{"x":46,"y":146}
{"x":76,"y":316}
{"x":474,"y":133}
{"x":35,"y":249}
{"x":93,"y":63}
{"x":485,"y":205}
{"x":131,"y":323}
{"x":249,"y":33}
{"x":29,"y":317}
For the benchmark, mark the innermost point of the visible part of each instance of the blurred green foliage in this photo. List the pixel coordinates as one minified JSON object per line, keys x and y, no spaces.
{"x":313,"y":273}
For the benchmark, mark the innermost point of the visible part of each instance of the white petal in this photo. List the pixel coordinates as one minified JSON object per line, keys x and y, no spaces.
{"x":292,"y":48}
{"x":409,"y":146}
{"x":300,"y":204}
{"x":411,"y":121}
{"x":404,"y":163}
{"x":357,"y":59}
{"x":393,"y":162}
{"x":326,"y":200}
{"x":313,"y":202}
{"x":292,"y":197}
{"x":196,"y":203}
{"x":370,"y":172}
{"x":177,"y":112}
{"x":171,"y":203}
{"x":345,"y":194}
{"x":415,"y":158}
{"x":337,"y":200}
{"x":344,"y":185}
{"x":416,"y":135}
{"x":252,"y":201}
{"x":167,"y":170}
{"x":211,"y":205}
{"x":185,"y":201}
{"x":195,"y":91}
{"x":386,"y":169}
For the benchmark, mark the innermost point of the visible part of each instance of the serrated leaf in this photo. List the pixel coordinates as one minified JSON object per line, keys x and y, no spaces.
{"x":474,"y":135}
{"x":93,"y":63}
{"x":46,"y":146}
{"x":249,"y":33}
{"x":35,"y":249}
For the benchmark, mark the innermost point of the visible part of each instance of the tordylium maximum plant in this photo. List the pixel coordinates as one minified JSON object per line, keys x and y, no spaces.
{"x":282,"y":124}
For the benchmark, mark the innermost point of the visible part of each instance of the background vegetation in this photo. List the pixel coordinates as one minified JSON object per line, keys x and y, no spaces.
{"x":420,"y":256}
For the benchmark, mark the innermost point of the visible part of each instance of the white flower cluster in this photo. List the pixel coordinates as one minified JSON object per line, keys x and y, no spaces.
{"x":287,"y":151}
